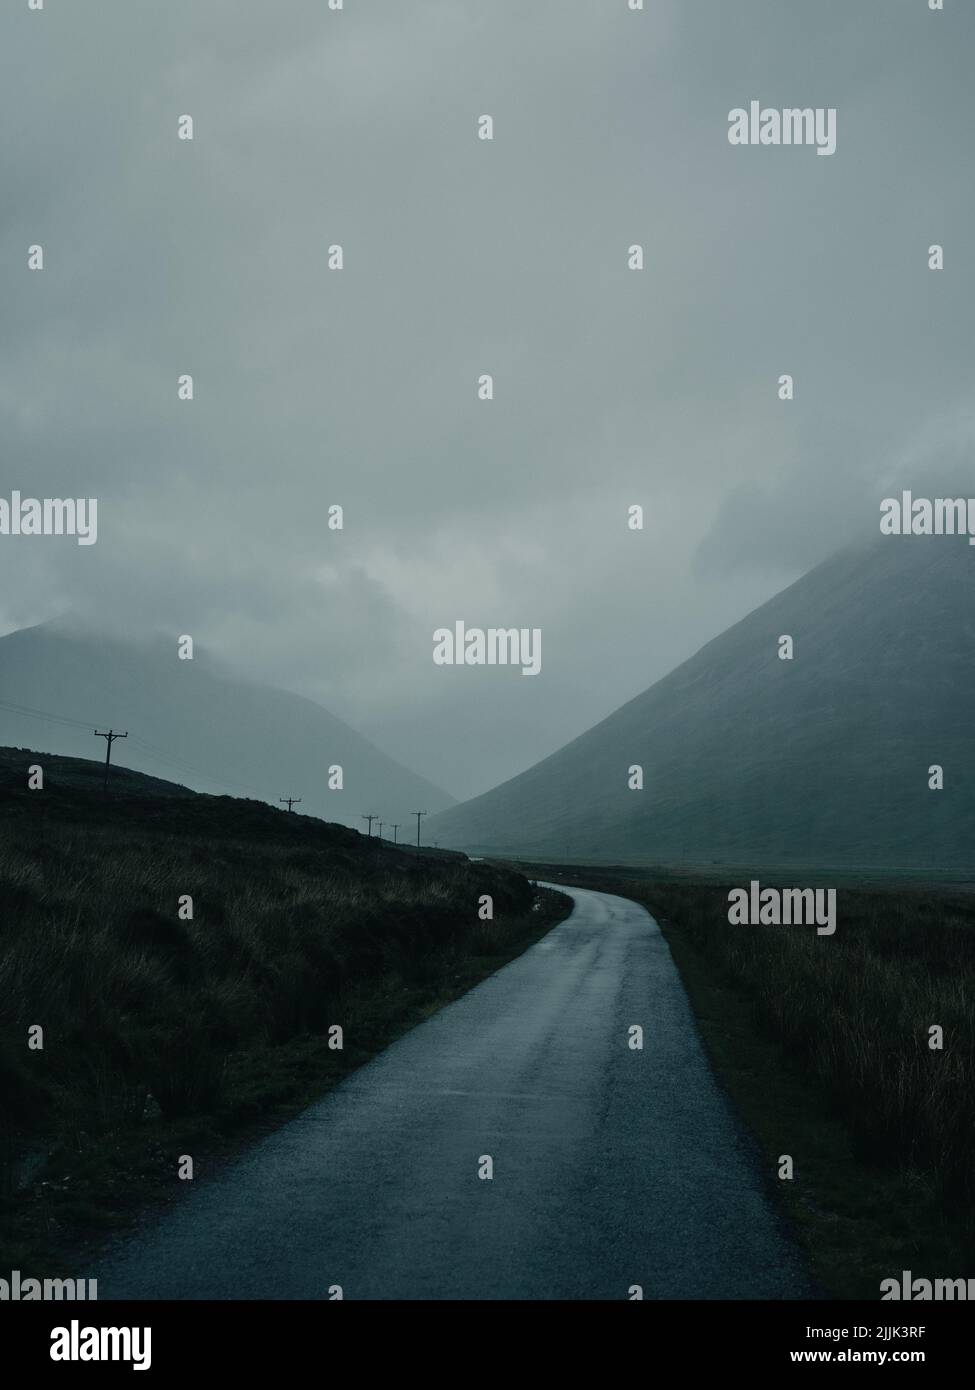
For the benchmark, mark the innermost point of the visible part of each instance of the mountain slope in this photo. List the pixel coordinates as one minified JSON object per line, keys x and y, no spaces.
{"x":70,"y":775}
{"x":187,"y":721}
{"x":746,"y":757}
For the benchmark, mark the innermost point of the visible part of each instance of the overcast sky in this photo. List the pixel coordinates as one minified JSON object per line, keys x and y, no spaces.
{"x":463,"y":257}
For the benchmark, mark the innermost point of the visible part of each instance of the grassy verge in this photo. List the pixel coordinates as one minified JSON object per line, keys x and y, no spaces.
{"x":165,"y":1034}
{"x":822,"y":1045}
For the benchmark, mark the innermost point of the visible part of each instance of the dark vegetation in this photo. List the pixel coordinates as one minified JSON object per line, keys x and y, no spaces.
{"x":157,"y":1028}
{"x":823,"y":1044}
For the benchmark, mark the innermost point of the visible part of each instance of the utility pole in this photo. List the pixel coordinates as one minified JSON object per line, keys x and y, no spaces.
{"x":418,"y":814}
{"x":291,"y":800}
{"x":110,"y":738}
{"x":396,"y":825}
{"x":370,"y":819}
{"x":380,"y":830}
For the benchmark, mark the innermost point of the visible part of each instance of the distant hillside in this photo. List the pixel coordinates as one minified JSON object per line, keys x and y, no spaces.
{"x":73,"y":794}
{"x":747,"y":758}
{"x":186,"y":720}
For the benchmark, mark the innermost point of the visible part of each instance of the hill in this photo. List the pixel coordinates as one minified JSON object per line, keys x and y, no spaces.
{"x":73,"y":794}
{"x":189,"y":720}
{"x":80,"y":774}
{"x":748,"y":758}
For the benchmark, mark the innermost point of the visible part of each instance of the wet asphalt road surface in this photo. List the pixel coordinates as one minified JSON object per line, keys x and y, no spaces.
{"x":612,"y":1167}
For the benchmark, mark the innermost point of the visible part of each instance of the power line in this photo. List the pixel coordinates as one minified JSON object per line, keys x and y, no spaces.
{"x":191,"y":767}
{"x":40,"y":714}
{"x":27,"y":712}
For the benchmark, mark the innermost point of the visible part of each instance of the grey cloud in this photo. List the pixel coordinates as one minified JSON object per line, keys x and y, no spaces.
{"x":611,"y":387}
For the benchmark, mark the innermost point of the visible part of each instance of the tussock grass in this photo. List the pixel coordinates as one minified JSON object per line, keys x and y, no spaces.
{"x":853,"y":1011}
{"x":295,"y":922}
